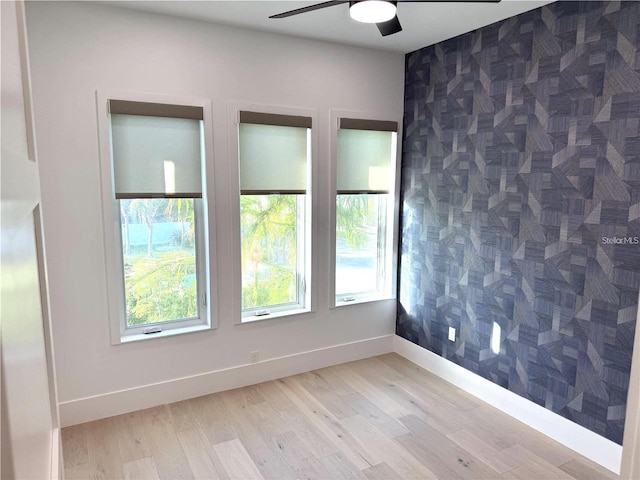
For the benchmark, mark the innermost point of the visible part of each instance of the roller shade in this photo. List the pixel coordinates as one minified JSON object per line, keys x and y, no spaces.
{"x":364,"y":157}
{"x":156,"y":156}
{"x":273,"y":153}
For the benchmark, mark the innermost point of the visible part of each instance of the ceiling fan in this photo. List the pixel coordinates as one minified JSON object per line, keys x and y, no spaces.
{"x":380,"y":12}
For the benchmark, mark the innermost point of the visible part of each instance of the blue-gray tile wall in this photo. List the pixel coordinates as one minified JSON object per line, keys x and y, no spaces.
{"x":521,"y":205}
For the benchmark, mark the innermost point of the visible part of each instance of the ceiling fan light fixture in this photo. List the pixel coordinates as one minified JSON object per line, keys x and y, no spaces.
{"x":372,"y":11}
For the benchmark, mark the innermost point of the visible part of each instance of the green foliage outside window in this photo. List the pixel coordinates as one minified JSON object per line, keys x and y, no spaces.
{"x":159,"y":259}
{"x":158,"y":238}
{"x":355,"y":215}
{"x":162,"y":288}
{"x":268,"y":224}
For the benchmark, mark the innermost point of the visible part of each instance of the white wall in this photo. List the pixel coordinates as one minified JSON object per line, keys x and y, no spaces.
{"x":30,"y":436}
{"x":78,"y":48}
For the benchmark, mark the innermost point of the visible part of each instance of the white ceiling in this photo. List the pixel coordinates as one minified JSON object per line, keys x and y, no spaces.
{"x":423,"y":23}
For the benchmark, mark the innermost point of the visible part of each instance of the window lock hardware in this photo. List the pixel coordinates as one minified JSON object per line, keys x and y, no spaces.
{"x":150,"y":330}
{"x":262,"y":313}
{"x":349,"y":299}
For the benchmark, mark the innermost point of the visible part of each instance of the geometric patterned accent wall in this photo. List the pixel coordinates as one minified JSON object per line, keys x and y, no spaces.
{"x":521,"y":205}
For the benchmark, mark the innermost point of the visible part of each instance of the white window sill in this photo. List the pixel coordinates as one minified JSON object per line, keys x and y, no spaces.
{"x":277,"y":314}
{"x":363,"y":299}
{"x":165,"y":333}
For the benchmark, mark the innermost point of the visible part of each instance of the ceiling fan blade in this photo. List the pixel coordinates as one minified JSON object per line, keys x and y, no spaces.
{"x":389,"y":27}
{"x":448,"y":1}
{"x":310,"y":8}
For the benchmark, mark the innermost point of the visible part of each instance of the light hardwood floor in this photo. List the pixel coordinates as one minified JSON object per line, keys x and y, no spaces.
{"x":379,"y":418}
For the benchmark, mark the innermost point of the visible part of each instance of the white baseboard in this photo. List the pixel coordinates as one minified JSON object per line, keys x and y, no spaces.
{"x":87,"y":409}
{"x":57,"y":472}
{"x":584,"y":441}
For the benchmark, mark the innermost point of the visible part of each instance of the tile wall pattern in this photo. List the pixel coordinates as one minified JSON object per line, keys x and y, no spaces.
{"x":521,"y":205}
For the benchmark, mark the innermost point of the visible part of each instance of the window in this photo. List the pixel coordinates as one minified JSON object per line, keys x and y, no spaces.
{"x":274,"y":158}
{"x":156,"y":164}
{"x":365,"y":177}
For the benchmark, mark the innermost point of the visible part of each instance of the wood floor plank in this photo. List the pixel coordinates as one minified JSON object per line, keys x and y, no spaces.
{"x":429,"y":396}
{"x":496,"y":459}
{"x":441,"y":455}
{"x":542,"y":467}
{"x":524,"y":472}
{"x":375,"y":367}
{"x":586,"y":470}
{"x":381,"y":472}
{"x":382,"y":417}
{"x":292,"y":448}
{"x":318,"y":387}
{"x":387,"y":404}
{"x":132,"y":437}
{"x":274,"y":395}
{"x":408,"y":403}
{"x":236,"y":461}
{"x":334,"y":382}
{"x":201,"y":457}
{"x":182,"y":415}
{"x":140,"y":469}
{"x":445,"y":390}
{"x":328,"y":424}
{"x":391,"y":387}
{"x":483,"y":425}
{"x":385,"y":449}
{"x":315,"y":439}
{"x":386,"y":424}
{"x":436,"y":411}
{"x":74,"y":445}
{"x":213,"y":418}
{"x":166,"y":450}
{"x":264,"y":455}
{"x":313,"y":469}
{"x":246,"y":396}
{"x":267,"y":420}
{"x":489,"y":421}
{"x":104,"y":459}
{"x":338,"y":466}
{"x":77,"y":472}
{"x":409,"y":369}
{"x":298,"y":457}
{"x":554,"y":452}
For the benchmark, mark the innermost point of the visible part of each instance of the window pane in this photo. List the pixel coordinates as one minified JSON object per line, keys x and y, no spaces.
{"x":269,"y":226}
{"x":358,"y":254}
{"x":158,"y":244}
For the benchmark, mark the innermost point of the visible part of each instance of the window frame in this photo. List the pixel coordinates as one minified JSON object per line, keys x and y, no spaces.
{"x":307,"y":261}
{"x":387,"y":230}
{"x":201,"y":280}
{"x":204,"y":220}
